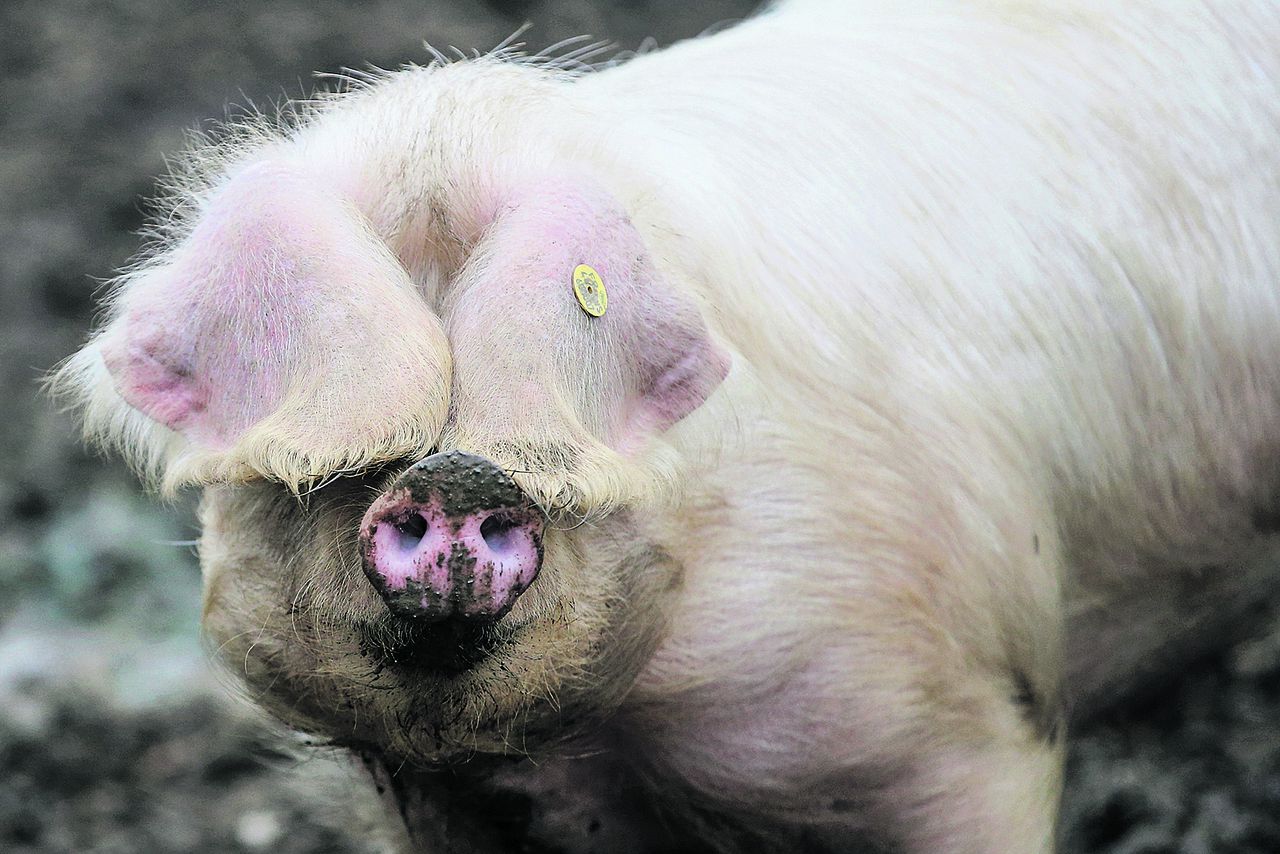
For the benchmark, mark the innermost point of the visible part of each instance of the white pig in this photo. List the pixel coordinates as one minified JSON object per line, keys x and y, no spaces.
{"x":937,"y":389}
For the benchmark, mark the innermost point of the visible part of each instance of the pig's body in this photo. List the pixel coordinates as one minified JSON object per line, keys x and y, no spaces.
{"x":998,"y":284}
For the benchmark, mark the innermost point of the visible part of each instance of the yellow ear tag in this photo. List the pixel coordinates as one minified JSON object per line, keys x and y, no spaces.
{"x":588,"y":287}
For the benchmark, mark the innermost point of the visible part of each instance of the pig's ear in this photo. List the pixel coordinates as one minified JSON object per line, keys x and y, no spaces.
{"x":679,"y":362}
{"x":280,"y":339}
{"x":635,"y":353}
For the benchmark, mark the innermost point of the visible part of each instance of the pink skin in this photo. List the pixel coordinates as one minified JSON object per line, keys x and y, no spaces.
{"x":278,"y":276}
{"x":430,"y":565}
{"x":651,"y":348}
{"x":203,"y":350}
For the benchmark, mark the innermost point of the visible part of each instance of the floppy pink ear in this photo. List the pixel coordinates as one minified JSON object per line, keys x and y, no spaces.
{"x":681,"y":364}
{"x":280,"y":338}
{"x":644,"y":363}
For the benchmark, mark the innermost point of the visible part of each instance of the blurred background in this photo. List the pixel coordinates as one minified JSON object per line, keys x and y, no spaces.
{"x":116,"y":735}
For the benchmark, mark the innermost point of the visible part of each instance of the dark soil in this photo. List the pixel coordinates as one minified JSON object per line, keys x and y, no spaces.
{"x":115,"y":736}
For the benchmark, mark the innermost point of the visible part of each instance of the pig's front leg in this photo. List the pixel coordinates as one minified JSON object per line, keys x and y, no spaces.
{"x":967,"y":763}
{"x":979,"y":771}
{"x":924,"y":712}
{"x":997,"y":798}
{"x":978,"y":750}
{"x":981,"y":780}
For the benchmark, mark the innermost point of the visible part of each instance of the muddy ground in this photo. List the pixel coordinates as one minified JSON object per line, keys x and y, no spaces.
{"x":115,"y":735}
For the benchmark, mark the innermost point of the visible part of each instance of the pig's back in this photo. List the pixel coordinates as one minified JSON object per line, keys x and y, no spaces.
{"x":1050,"y":225}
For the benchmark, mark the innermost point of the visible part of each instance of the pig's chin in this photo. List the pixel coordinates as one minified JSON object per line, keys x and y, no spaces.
{"x":439,"y":692}
{"x":428,"y":693}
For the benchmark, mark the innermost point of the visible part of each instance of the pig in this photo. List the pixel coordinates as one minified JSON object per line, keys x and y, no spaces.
{"x":767,"y":443}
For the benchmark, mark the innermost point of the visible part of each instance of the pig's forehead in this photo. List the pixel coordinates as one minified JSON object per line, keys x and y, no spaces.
{"x":560,"y":214}
{"x":438,"y":136}
{"x":428,"y":155}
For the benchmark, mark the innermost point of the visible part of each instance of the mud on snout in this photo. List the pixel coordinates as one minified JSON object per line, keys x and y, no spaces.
{"x":293,"y":608}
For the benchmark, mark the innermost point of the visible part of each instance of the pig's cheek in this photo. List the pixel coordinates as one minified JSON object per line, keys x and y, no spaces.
{"x":276,"y":654}
{"x":234,"y":600}
{"x":242,"y":579}
{"x":214,"y":550}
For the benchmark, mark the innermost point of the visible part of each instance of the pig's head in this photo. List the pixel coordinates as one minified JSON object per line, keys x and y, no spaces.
{"x":426,"y":505}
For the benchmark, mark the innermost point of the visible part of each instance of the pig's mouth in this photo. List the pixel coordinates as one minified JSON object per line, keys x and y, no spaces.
{"x":446,"y":647}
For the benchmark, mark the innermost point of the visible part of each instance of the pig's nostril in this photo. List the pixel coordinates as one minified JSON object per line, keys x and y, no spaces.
{"x":499,"y":534}
{"x":410,"y":532}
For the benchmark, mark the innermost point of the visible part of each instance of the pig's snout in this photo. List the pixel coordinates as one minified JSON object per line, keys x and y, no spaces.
{"x":452,"y":537}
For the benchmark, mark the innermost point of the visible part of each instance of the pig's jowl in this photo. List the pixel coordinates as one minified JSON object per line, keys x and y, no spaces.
{"x":938,"y":361}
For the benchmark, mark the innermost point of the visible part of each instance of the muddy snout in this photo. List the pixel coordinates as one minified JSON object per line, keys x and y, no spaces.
{"x":452,"y":537}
